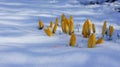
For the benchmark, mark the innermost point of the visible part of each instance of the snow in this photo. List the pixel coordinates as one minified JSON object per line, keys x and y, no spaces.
{"x":22,"y":44}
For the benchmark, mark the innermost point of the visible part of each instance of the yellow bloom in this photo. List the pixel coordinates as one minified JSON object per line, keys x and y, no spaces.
{"x":71,"y":17}
{"x":62,"y":17}
{"x":62,"y":26}
{"x":71,"y":26}
{"x":93,"y":28}
{"x":51,"y":24}
{"x":55,"y":28}
{"x":73,"y":40}
{"x":111,"y":30}
{"x":48,"y":32}
{"x":100,"y":41}
{"x":92,"y":41}
{"x":41,"y":25}
{"x":86,"y":30}
{"x":104,"y":28}
{"x":56,"y":21}
{"x":66,"y":28}
{"x":88,"y":25}
{"x":67,"y":21}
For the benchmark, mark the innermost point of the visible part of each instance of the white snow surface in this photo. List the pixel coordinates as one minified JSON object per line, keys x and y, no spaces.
{"x":22,"y":44}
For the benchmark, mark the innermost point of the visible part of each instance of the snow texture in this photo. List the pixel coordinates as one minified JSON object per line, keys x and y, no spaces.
{"x":22,"y":44}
